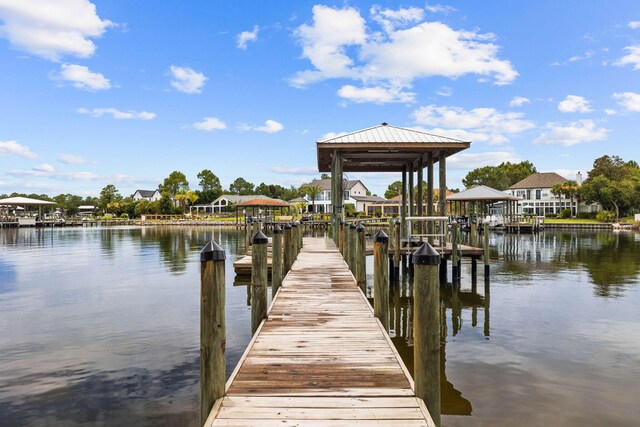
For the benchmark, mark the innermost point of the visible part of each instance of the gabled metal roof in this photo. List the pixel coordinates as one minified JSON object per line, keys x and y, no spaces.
{"x":23,"y":201}
{"x":481,"y":192}
{"x":386,"y":133}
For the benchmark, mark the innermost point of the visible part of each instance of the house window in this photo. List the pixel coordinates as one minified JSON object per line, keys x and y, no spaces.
{"x":538,"y":194}
{"x":528,"y":194}
{"x":346,"y":195}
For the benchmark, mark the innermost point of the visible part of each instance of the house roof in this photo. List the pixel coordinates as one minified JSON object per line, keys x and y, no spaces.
{"x":23,"y":201}
{"x":268,"y":202}
{"x":325,"y":184}
{"x":385,"y":148}
{"x":539,"y":180}
{"x":436,"y":192}
{"x":234,"y":198}
{"x":86,"y":207}
{"x":479,"y":193}
{"x":146,"y":193}
{"x":368,"y":198}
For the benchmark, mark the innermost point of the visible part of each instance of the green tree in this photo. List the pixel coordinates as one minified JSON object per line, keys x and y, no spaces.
{"x":165,"y":204}
{"x":175,"y":182}
{"x":209,"y":181}
{"x":394,"y":189}
{"x":499,"y":177}
{"x":325,"y":176}
{"x":109,"y":194}
{"x":241,"y":186}
{"x":313,"y":191}
{"x":68,"y":203}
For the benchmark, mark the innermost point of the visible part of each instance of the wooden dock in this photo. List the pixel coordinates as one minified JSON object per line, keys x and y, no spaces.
{"x":320,"y":358}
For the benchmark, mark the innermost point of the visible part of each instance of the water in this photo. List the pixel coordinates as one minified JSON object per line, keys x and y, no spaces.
{"x":100,"y":327}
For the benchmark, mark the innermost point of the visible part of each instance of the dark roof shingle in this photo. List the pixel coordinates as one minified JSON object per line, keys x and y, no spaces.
{"x":539,"y":180}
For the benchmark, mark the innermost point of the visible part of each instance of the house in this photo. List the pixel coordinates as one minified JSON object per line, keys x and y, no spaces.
{"x":537,"y":198}
{"x":150,"y":195}
{"x":86,"y":210}
{"x":223,"y":202}
{"x":391,"y":206}
{"x":355,"y":193}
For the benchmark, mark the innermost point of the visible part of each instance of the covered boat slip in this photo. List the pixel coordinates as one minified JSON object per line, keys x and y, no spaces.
{"x":16,"y":211}
{"x":320,"y":357}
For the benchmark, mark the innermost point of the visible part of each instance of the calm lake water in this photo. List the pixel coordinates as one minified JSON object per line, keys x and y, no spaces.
{"x":100,"y":327}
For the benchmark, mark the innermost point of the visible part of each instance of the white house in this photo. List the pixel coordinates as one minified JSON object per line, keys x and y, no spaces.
{"x":535,"y":191}
{"x":355,"y":193}
{"x":221,"y":203}
{"x":150,"y":195}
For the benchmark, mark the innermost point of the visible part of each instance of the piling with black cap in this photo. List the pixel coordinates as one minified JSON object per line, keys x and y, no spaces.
{"x":286,"y":249}
{"x":276,"y":260}
{"x":361,"y":259}
{"x":213,"y":334}
{"x":381,"y":278}
{"x":259,"y":279}
{"x":426,"y":328}
{"x":353,"y":248}
{"x":300,"y":235}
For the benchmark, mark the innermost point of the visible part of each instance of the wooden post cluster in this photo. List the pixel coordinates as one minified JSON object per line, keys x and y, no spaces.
{"x":276,"y":260}
{"x":426,"y":328}
{"x":353,"y":242}
{"x":381,"y":278}
{"x":259,"y":280}
{"x":361,"y":259}
{"x":287,"y":249}
{"x":213,"y":335}
{"x":486,"y":248}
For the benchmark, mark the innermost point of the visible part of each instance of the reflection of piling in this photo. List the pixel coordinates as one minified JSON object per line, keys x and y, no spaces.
{"x":426,"y":349}
{"x":276,"y":260}
{"x":361,"y":259}
{"x":381,"y":278}
{"x":443,"y":270}
{"x":258,"y":280}
{"x":487,"y":303}
{"x":486,"y":248}
{"x":212,"y":327}
{"x":287,"y":249}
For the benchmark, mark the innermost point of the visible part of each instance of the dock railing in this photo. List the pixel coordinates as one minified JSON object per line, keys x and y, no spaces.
{"x":432,"y":227}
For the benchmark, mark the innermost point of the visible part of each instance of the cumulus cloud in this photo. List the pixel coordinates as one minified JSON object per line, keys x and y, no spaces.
{"x":478,"y":160}
{"x":631,"y":58}
{"x":48,"y":171}
{"x":51,"y":29}
{"x":571,"y":134}
{"x":209,"y":124}
{"x":72,"y":159}
{"x":519,"y":101}
{"x":8,"y":148}
{"x":575,"y":104}
{"x":630,"y":101}
{"x":340,"y":44}
{"x":634,"y":25}
{"x":82,"y":78}
{"x":117,"y":114}
{"x":247,"y":36}
{"x":478,"y":124}
{"x":270,"y":126}
{"x":377,"y":95}
{"x":187,"y":80}
{"x":439,"y":8}
{"x":294,"y":170}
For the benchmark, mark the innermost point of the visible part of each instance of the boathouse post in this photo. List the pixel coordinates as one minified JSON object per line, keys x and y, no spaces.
{"x":426,"y":328}
{"x":486,"y":248}
{"x":442,"y":195}
{"x":361,"y":259}
{"x":455,"y":246}
{"x":396,"y":258}
{"x":259,"y":280}
{"x":287,"y":249}
{"x":381,"y":278}
{"x":430,"y":224}
{"x":276,"y":260}
{"x":212,"y":327}
{"x":353,"y":247}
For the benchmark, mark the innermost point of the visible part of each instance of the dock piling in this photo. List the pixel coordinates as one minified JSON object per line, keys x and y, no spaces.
{"x":258,"y":280}
{"x":346,"y":249}
{"x":212,"y":327}
{"x":396,"y":245}
{"x":276,"y":260}
{"x":426,"y":326}
{"x":485,"y":238}
{"x":341,"y":238}
{"x":361,"y":259}
{"x":381,"y":278}
{"x":287,"y":249}
{"x":353,"y":242}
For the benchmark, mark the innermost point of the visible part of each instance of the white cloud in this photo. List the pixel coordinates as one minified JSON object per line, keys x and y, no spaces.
{"x":479,"y":124}
{"x":48,"y":171}
{"x":610,"y":112}
{"x":209,"y":124}
{"x":630,"y":101}
{"x":187,"y":80}
{"x":377,"y":95}
{"x":477,"y":160}
{"x":330,"y":135}
{"x":634,"y":25}
{"x":117,"y":114}
{"x":82,"y":78}
{"x":270,"y":126}
{"x":518,"y":101}
{"x":439,"y":8}
{"x":339,"y":45}
{"x":574,"y":104}
{"x":13,"y":148}
{"x":571,"y":134}
{"x":51,"y":29}
{"x":295,"y":170}
{"x":246,"y":37}
{"x":444,"y":91}
{"x":632,"y":58}
{"x":72,"y":159}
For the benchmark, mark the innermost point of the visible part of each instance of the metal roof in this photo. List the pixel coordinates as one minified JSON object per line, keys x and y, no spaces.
{"x":480,"y":193}
{"x":385,"y":148}
{"x":24,"y":201}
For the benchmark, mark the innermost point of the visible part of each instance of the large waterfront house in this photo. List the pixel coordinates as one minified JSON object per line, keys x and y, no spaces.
{"x":222,"y":203}
{"x":150,"y":195}
{"x":537,"y":198}
{"x":355,"y":193}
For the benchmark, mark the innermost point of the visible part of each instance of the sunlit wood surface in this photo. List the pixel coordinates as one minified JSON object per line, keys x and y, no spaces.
{"x":321,"y":357}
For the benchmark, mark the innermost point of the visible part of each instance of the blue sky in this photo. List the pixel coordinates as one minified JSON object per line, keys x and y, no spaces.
{"x":99,"y":92}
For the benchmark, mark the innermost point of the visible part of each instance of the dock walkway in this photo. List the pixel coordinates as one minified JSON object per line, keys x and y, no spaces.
{"x":320,"y":358}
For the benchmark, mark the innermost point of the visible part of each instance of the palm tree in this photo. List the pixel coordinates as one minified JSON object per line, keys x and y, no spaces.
{"x":184,"y":196}
{"x":570,"y":189}
{"x":557,"y":190}
{"x":312,"y":190}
